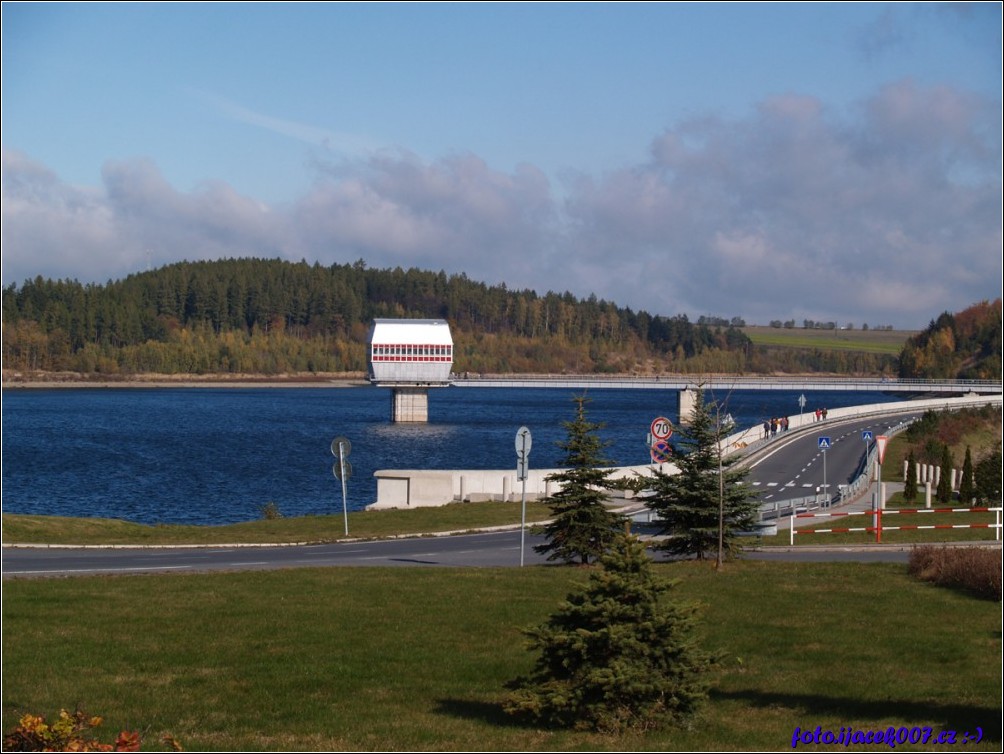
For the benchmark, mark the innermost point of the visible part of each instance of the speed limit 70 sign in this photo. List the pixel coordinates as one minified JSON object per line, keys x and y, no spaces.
{"x":662,"y":428}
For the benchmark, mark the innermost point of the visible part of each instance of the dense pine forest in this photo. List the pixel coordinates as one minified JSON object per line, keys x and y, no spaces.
{"x":270,"y":317}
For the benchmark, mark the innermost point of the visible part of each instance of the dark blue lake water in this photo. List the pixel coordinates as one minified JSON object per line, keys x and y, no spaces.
{"x":214,"y":456}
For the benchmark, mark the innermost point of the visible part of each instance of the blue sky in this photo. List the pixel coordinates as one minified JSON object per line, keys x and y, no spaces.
{"x":769,"y":161}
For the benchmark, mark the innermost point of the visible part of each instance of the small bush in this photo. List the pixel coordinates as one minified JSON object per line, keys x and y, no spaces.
{"x":68,"y":733}
{"x":270,"y":511}
{"x":975,"y":569}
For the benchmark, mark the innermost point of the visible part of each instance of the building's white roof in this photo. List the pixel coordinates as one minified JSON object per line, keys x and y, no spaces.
{"x":434,"y":332}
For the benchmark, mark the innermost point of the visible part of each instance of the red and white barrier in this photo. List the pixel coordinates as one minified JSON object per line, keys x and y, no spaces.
{"x":878,"y":528}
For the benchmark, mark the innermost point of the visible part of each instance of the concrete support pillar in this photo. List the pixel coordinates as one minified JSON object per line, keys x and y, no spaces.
{"x":409,"y":405}
{"x":688,"y":401}
{"x":506,"y":489}
{"x":953,"y":480}
{"x":927,"y":495}
{"x":906,"y":465}
{"x":463,"y":485}
{"x":882,"y":495}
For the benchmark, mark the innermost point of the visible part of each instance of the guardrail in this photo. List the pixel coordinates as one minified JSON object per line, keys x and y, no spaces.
{"x":731,"y":382}
{"x":878,"y":528}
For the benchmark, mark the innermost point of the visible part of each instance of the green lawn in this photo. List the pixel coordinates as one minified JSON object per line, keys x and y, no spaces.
{"x":415,"y":659}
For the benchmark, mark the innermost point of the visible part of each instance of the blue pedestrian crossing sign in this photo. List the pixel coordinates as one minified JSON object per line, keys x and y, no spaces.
{"x":866,"y":434}
{"x":824,"y":443}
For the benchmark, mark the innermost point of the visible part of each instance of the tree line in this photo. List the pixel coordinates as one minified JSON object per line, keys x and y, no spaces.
{"x":966,"y":345}
{"x":273,"y":316}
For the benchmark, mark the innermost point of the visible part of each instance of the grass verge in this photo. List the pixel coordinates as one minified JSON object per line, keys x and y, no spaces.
{"x":23,"y":529}
{"x":416,"y":659}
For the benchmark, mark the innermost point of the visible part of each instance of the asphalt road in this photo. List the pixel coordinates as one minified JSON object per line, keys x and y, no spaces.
{"x":796,"y":466}
{"x":472,"y":551}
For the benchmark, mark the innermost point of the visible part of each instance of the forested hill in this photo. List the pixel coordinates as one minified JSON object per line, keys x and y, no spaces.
{"x":271,"y":316}
{"x":966,"y":344}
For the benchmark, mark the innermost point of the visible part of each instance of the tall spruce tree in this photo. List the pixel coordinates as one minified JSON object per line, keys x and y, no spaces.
{"x":707,"y":503}
{"x":910,"y":483}
{"x":967,"y":485}
{"x":582,"y":527}
{"x":614,"y":656}
{"x":987,"y":476}
{"x":944,"y":492}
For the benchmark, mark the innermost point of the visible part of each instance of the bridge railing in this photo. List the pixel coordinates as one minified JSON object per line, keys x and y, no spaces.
{"x":731,"y":382}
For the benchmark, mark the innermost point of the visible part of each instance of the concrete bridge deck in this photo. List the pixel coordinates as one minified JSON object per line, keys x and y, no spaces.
{"x":732,"y":382}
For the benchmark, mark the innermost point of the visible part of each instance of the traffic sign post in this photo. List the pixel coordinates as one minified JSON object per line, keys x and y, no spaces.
{"x":824,"y":445}
{"x":524,"y":441}
{"x":340,"y":449}
{"x":866,"y":435}
{"x":657,"y":440}
{"x":661,"y":451}
{"x":662,"y":428}
{"x":880,"y":443}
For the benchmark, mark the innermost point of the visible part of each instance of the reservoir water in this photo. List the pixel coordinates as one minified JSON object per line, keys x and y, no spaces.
{"x":216,"y":455}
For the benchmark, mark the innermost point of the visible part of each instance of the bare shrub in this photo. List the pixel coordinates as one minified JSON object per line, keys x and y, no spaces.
{"x":975,"y":569}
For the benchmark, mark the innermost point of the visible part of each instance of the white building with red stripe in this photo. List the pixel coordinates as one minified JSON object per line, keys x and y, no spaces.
{"x":410,"y":356}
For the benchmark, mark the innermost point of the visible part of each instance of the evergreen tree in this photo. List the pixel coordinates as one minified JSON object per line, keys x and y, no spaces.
{"x":944,"y":493}
{"x":583,"y":527}
{"x":967,"y":489}
{"x":613,"y":656}
{"x":707,"y":503}
{"x":910,"y":483}
{"x":987,"y":475}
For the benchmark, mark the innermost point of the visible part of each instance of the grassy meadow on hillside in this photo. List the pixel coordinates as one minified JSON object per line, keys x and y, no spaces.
{"x":888,"y":342}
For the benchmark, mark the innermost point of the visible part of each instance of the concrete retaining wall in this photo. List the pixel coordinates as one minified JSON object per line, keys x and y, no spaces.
{"x":415,"y":488}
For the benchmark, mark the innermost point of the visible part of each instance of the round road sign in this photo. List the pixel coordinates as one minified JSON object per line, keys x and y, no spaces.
{"x":337,"y":470}
{"x":662,"y":428}
{"x":661,"y":451}
{"x":346,"y":446}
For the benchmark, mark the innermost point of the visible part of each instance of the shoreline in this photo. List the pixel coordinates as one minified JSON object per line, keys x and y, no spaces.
{"x":14,"y":380}
{"x":160,"y":381}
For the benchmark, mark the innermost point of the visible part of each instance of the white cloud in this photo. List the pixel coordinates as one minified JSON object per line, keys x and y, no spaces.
{"x":890,"y":213}
{"x":798,"y":210}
